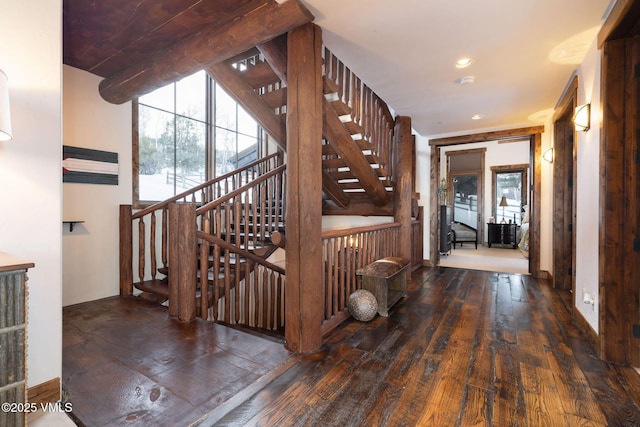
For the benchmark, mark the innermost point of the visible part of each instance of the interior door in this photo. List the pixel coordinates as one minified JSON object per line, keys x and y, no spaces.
{"x":467,"y":197}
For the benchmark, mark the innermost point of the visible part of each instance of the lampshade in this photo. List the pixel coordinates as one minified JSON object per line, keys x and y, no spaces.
{"x":503,"y":201}
{"x":582,"y":117}
{"x":548,"y":155}
{"x":5,"y":113}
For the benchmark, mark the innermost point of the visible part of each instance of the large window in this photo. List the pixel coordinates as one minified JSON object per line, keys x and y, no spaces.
{"x":189,"y":132}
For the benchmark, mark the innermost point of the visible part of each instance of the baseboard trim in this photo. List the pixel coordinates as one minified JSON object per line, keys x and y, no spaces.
{"x":47,"y":392}
{"x":585,"y":327}
{"x":544,"y":275}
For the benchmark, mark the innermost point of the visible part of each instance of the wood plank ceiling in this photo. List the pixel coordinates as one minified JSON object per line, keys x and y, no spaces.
{"x":138,"y":46}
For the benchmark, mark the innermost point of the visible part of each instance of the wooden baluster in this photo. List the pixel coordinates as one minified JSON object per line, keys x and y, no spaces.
{"x":204,"y":272}
{"x":256,"y":296}
{"x":281,"y":284}
{"x":354,"y":268}
{"x":366,"y":112}
{"x":277,"y":200}
{"x":227,"y":261}
{"x":263,"y":207}
{"x":326,"y":56}
{"x":216,"y":264}
{"x":165,"y":227}
{"x":254,"y":212}
{"x":328,"y":284}
{"x":347,"y":86}
{"x":279,"y":287}
{"x":247,"y":291}
{"x":355,"y":105}
{"x":273,"y":301}
{"x":334,"y":68}
{"x":271,"y":186}
{"x":340,"y":81}
{"x":343,"y":269}
{"x":246,"y":211}
{"x":141,"y":244}
{"x":336,"y":277}
{"x":152,"y":246}
{"x":265,"y":296}
{"x":237,"y":267}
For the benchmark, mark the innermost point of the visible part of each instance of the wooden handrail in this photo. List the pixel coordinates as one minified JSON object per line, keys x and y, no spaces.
{"x":220,"y":200}
{"x":211,"y":182}
{"x":235,"y":249}
{"x":327,"y":234}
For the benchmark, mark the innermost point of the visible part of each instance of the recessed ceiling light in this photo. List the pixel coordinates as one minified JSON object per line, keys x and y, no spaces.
{"x":466,"y":80}
{"x":463,"y":62}
{"x":477,"y":117}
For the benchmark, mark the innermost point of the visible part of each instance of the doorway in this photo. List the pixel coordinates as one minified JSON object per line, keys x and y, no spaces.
{"x":532,"y":136}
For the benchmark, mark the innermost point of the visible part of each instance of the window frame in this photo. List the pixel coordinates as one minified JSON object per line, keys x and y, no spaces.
{"x":210,"y":139}
{"x":495,"y":171}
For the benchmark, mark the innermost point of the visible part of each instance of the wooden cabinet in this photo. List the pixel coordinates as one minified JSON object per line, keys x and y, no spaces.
{"x":446,"y":236}
{"x":504,"y":234}
{"x":13,"y":332}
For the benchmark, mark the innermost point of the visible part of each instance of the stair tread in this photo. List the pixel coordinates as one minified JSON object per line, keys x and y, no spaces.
{"x":260,"y":75}
{"x":275,"y":98}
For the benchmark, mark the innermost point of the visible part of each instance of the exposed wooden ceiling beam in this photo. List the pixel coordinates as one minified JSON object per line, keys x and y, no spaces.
{"x":226,"y":76}
{"x":204,"y":48}
{"x":342,"y":142}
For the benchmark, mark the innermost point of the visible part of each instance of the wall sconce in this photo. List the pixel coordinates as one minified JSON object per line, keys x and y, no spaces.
{"x":548,"y":155}
{"x":5,"y":113}
{"x":582,"y":117}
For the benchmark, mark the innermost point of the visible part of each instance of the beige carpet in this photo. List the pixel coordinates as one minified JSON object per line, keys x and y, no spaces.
{"x":500,"y":259}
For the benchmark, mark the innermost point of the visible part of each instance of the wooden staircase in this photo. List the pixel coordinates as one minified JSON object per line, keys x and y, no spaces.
{"x":236,"y":284}
{"x":357,"y":125}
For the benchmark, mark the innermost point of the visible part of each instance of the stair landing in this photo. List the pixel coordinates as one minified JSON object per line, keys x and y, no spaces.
{"x":125,"y":362}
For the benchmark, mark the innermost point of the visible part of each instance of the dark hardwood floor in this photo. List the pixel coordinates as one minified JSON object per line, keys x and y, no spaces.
{"x":463,"y":348}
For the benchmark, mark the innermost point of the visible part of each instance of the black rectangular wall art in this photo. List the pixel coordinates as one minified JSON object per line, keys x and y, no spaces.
{"x":83,"y":165}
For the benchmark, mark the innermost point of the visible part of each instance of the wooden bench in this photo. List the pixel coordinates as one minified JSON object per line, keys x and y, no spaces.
{"x":386,"y":279}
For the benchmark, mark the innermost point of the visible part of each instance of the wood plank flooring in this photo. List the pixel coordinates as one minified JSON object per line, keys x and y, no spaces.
{"x":464,"y":348}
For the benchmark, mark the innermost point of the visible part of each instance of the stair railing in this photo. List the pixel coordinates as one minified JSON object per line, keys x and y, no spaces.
{"x":368,"y":109}
{"x":345,"y":251}
{"x":252,"y":296}
{"x":155,"y":240}
{"x":241,"y":286}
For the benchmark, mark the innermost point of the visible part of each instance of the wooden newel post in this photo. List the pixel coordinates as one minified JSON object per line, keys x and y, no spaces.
{"x":126,"y":250}
{"x":182,"y":261}
{"x":304,"y":290}
{"x":403,"y":170}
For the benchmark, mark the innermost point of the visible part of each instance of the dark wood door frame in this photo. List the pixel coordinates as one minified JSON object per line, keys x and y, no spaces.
{"x":619,"y":248}
{"x":564,"y":191}
{"x":480,"y":173}
{"x":535,"y":143}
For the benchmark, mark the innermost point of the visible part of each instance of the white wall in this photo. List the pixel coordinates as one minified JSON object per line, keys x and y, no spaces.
{"x":90,"y":252}
{"x":30,"y":170}
{"x":423,"y":186}
{"x":588,"y":188}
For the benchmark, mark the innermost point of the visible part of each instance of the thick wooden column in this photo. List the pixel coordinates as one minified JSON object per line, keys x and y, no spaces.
{"x":183,"y":261}
{"x":303,"y":293}
{"x":403,"y":170}
{"x":126,"y":251}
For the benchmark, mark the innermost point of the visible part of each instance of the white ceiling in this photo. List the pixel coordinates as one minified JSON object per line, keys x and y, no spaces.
{"x":524,"y":53}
